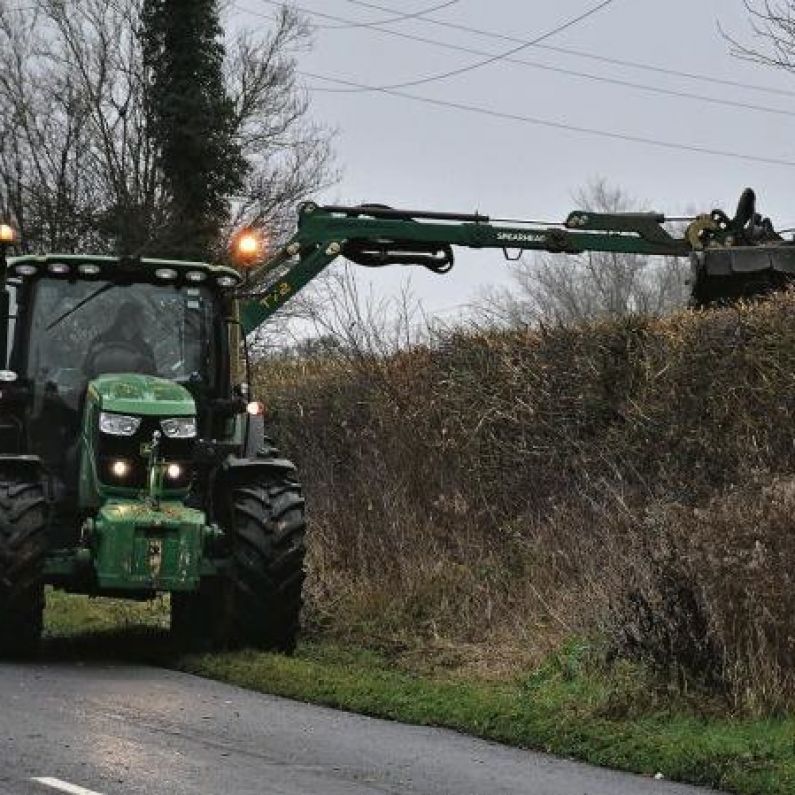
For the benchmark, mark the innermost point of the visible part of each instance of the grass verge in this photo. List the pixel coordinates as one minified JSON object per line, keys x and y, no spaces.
{"x":619,"y":719}
{"x":562,"y":708}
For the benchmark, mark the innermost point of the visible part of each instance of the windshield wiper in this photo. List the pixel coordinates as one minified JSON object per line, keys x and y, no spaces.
{"x":80,"y":304}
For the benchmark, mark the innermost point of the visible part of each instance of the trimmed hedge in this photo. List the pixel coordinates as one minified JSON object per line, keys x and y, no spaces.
{"x":630,"y":480}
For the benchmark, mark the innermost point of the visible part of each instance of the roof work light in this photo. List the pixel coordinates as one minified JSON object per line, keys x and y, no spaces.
{"x":248,"y":246}
{"x":8,"y":235}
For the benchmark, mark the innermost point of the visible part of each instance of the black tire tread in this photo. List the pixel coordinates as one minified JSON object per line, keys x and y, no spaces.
{"x":23,"y":547}
{"x":267,"y":574}
{"x":258,"y":603}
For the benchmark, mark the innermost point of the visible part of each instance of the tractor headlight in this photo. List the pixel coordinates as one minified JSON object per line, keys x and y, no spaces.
{"x":118,"y":424}
{"x":120,"y":468}
{"x":179,"y":427}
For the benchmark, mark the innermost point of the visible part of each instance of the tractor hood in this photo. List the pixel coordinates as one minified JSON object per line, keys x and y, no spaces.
{"x":131,"y":393}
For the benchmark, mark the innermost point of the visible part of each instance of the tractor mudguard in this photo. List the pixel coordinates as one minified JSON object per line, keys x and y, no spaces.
{"x":233,"y":466}
{"x":236,"y":472}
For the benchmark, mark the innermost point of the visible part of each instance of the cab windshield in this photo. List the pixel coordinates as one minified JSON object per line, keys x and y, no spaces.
{"x":79,"y":330}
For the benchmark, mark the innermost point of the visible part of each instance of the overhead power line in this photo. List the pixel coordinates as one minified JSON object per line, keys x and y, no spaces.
{"x":399,"y":18}
{"x":616,"y":136}
{"x":501,"y":56}
{"x":730,"y":103}
{"x":609,"y":134}
{"x":491,"y":58}
{"x":587,"y":55}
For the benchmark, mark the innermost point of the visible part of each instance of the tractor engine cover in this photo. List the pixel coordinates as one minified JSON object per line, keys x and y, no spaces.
{"x":136,"y":467}
{"x":115,"y":463}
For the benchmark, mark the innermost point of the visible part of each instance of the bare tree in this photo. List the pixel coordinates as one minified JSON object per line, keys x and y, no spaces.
{"x":289,"y":155}
{"x":350,"y":321}
{"x":575,"y":288}
{"x":78,"y":167}
{"x":773,"y":25}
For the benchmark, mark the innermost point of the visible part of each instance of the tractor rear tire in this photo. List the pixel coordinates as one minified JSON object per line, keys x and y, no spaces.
{"x":23,"y":547}
{"x":257,"y":603}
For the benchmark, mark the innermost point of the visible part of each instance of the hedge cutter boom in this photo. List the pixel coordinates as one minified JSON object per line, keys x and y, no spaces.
{"x":732,"y":257}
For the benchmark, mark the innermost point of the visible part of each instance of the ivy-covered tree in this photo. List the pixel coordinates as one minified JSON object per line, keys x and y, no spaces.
{"x":192,"y":121}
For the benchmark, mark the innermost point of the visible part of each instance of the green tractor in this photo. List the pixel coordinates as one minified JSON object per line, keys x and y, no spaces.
{"x":133,"y":459}
{"x":133,"y":456}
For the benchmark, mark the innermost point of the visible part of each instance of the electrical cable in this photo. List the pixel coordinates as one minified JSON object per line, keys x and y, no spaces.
{"x":532,"y":120}
{"x":493,"y":58}
{"x":558,"y":125}
{"x":391,"y":20}
{"x":559,"y":70}
{"x":543,"y":67}
{"x":590,"y":56}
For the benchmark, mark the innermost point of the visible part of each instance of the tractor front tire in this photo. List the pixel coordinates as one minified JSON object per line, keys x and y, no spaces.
{"x":257,"y":602}
{"x":267,"y":572}
{"x":23,"y":547}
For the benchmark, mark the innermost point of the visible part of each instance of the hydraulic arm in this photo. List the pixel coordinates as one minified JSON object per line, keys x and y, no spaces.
{"x":744,"y":248}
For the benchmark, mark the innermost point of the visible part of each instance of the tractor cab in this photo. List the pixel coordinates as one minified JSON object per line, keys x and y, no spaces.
{"x":135,"y":341}
{"x":81,"y":318}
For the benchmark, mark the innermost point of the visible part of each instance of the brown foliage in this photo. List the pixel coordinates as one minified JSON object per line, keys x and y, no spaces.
{"x":627,"y":480}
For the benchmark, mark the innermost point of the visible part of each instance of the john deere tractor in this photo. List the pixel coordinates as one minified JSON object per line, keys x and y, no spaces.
{"x":132,"y":455}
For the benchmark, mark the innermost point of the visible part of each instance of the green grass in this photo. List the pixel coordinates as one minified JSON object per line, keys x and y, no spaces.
{"x":70,"y":614}
{"x":618,"y":718}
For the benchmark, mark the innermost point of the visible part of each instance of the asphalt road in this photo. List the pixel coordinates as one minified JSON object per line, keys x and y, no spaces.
{"x":123,"y":729}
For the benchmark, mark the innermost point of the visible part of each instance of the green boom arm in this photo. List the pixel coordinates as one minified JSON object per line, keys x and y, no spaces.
{"x":373,"y":235}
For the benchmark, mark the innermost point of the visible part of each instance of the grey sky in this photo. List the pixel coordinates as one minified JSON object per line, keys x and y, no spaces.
{"x":399,"y":152}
